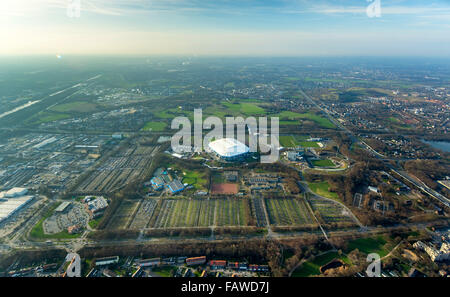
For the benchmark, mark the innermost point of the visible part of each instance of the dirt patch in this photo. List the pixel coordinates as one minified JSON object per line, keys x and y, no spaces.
{"x":224,"y":189}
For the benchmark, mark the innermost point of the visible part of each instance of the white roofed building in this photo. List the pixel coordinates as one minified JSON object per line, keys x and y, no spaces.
{"x":229,"y":149}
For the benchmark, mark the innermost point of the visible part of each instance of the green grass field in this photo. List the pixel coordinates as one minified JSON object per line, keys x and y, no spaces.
{"x":245,"y":108}
{"x":154,"y":126}
{"x":50,"y":117}
{"x":369,"y":245}
{"x":287,"y":116}
{"x":321,"y":188}
{"x":309,"y":144}
{"x":164,"y":271}
{"x":78,"y":106}
{"x":323,"y":163}
{"x":311,"y":268}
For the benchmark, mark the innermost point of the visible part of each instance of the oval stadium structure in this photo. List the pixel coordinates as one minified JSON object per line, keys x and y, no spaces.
{"x":229,"y":149}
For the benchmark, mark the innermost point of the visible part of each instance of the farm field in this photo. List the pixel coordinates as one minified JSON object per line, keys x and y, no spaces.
{"x":122,"y":217}
{"x":185,"y":213}
{"x":330,"y":211}
{"x":287,"y":212}
{"x":232,"y":212}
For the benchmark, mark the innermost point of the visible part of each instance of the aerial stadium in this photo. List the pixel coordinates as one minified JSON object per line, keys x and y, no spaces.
{"x":229,"y":149}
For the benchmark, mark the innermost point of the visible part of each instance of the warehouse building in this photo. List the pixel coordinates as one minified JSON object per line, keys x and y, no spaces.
{"x":9,"y":207}
{"x":229,"y":149}
{"x":15,"y":192}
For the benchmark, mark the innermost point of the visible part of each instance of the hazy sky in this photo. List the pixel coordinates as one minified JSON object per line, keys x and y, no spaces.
{"x":225,"y":27}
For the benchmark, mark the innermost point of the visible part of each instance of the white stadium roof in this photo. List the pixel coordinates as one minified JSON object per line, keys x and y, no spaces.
{"x":228,"y":147}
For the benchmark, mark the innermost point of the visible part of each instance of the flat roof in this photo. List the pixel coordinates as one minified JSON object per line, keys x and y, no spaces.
{"x":228,"y":147}
{"x":8,"y":207}
{"x":62,"y":206}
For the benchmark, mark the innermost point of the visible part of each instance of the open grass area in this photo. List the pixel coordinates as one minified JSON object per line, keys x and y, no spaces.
{"x":323,"y":163}
{"x":288,"y":141}
{"x":369,"y":245}
{"x":78,"y":106}
{"x":311,"y":268}
{"x":193,"y":177}
{"x":245,"y":108}
{"x":287,"y":116}
{"x":321,"y":188}
{"x":164,"y":271}
{"x":50,"y":117}
{"x":154,"y":126}
{"x":309,"y":144}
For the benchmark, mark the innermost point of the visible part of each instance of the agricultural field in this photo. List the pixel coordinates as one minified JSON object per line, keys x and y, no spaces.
{"x":143,"y":214}
{"x":185,"y":213}
{"x":287,"y":212}
{"x":122,"y":217}
{"x":330,"y":211}
{"x":233,"y":212}
{"x":258,"y":211}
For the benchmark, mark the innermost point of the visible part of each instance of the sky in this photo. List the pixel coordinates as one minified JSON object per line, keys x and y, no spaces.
{"x":225,"y":27}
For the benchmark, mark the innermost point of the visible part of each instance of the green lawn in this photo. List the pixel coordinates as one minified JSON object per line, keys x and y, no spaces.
{"x":245,"y":108}
{"x":309,"y":144}
{"x":154,"y":126}
{"x":323,"y":163}
{"x":369,"y":245}
{"x":321,"y":188}
{"x":288,"y":141}
{"x":287,"y":116}
{"x":164,"y":271}
{"x":49,"y":117}
{"x":78,"y":106}
{"x":311,"y":268}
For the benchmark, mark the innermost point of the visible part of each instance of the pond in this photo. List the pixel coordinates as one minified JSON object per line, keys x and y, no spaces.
{"x":441,"y":145}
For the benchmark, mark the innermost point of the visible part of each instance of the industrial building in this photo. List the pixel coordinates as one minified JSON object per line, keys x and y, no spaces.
{"x":196,"y":260}
{"x":175,"y":186}
{"x":8,"y":207}
{"x":107,"y":261}
{"x":62,"y":207}
{"x":15,"y":192}
{"x":229,"y":149}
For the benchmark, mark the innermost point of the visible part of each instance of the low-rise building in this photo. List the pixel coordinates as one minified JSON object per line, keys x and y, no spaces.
{"x":196,"y":260}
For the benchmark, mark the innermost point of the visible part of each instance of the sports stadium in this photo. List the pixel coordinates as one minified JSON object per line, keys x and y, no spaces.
{"x":229,"y":149}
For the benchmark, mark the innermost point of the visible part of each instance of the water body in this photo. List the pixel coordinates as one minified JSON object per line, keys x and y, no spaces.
{"x":441,"y":145}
